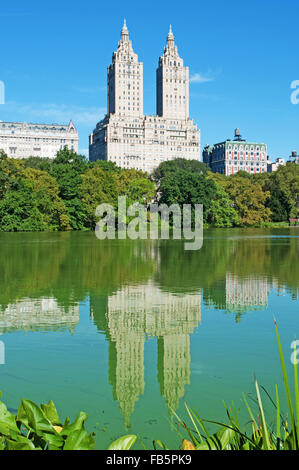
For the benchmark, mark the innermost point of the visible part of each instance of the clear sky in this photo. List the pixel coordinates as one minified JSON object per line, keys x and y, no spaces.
{"x":243,"y":56}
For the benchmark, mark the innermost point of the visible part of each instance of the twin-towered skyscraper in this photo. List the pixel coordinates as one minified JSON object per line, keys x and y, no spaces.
{"x":129,"y":138}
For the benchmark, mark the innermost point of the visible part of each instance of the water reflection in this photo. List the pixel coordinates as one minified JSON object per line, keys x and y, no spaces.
{"x":244,"y":294}
{"x":42,"y":314}
{"x":141,"y":289}
{"x":134,"y":312}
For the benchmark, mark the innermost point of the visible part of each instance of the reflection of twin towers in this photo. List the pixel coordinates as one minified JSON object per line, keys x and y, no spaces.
{"x":135,"y":312}
{"x":127,"y":317}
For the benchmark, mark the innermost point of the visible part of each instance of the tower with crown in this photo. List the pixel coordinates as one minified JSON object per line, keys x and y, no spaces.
{"x":172,"y":83}
{"x":131,"y":139}
{"x":125,"y":80}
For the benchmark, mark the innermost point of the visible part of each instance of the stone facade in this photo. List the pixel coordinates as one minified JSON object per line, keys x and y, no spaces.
{"x":232,"y":156}
{"x":23,"y":140}
{"x":132,"y":140}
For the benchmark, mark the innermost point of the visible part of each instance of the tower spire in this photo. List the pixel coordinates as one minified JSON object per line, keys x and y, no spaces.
{"x":170,"y":37}
{"x":124,"y":31}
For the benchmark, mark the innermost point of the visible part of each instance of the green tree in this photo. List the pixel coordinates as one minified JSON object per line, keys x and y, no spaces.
{"x":10,"y":169}
{"x":249,"y":200}
{"x":40,"y":163}
{"x":136,"y":185}
{"x":187,"y":187}
{"x":284,"y":188}
{"x":171,"y":166}
{"x":98,"y":186}
{"x":222,"y":212}
{"x":46,"y":193}
{"x":67,"y":169}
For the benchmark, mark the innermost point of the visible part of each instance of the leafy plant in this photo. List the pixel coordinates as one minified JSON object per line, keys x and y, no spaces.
{"x":123,"y":443}
{"x":232,"y":436}
{"x":40,"y":428}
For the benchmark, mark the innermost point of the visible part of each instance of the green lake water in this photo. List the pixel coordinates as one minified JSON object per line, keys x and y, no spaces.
{"x":128,"y":330}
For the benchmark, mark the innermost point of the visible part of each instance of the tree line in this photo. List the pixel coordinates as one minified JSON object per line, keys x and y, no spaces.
{"x":61,"y":194}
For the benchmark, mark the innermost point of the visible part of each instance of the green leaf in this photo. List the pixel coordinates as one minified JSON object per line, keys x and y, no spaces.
{"x":51,"y":414}
{"x":7,"y":421}
{"x":159,"y":443}
{"x":32,"y":416}
{"x":34,"y":419}
{"x":266,"y":439}
{"x":225,"y":436}
{"x":123,"y":443}
{"x":19,"y":445}
{"x":77,"y":425}
{"x":278,"y":434}
{"x":79,"y":440}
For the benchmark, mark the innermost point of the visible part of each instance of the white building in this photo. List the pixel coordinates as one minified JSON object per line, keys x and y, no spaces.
{"x":231,"y":156}
{"x":23,"y":140}
{"x":274,"y":166}
{"x":131,"y":139}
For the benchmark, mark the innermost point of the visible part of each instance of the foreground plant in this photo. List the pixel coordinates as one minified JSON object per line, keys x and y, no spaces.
{"x":40,"y":428}
{"x":231,"y":436}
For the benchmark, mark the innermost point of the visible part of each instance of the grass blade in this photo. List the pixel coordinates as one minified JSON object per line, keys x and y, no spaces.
{"x":296,"y":391}
{"x":278,"y":434}
{"x":287,"y":388}
{"x":266,"y":439}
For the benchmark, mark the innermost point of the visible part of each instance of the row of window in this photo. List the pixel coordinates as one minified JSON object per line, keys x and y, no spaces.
{"x":246,"y":147}
{"x":33,"y":139}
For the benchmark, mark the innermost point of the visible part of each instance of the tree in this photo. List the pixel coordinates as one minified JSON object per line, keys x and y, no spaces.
{"x":284,"y":190}
{"x":98,"y":186}
{"x":46,"y":193}
{"x":10,"y":169}
{"x":187,"y":187}
{"x":32,"y":204}
{"x":171,"y":166}
{"x":249,"y":200}
{"x":40,"y":163}
{"x":136,"y":185}
{"x":222,"y":212}
{"x":67,"y":169}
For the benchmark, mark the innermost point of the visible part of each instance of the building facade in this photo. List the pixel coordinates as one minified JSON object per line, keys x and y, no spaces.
{"x":23,"y":140}
{"x":131,"y":139}
{"x":231,"y":156}
{"x":273,"y":166}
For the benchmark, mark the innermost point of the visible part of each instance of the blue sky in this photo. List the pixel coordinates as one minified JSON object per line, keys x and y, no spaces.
{"x":243,"y":56}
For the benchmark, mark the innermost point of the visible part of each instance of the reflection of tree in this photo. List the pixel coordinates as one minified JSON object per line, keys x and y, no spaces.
{"x":70,"y":266}
{"x":133,"y":312}
{"x":30,"y":264}
{"x":126,"y":305}
{"x":243,"y":252}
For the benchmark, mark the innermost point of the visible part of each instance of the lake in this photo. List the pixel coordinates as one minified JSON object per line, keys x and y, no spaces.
{"x":130,"y":330}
